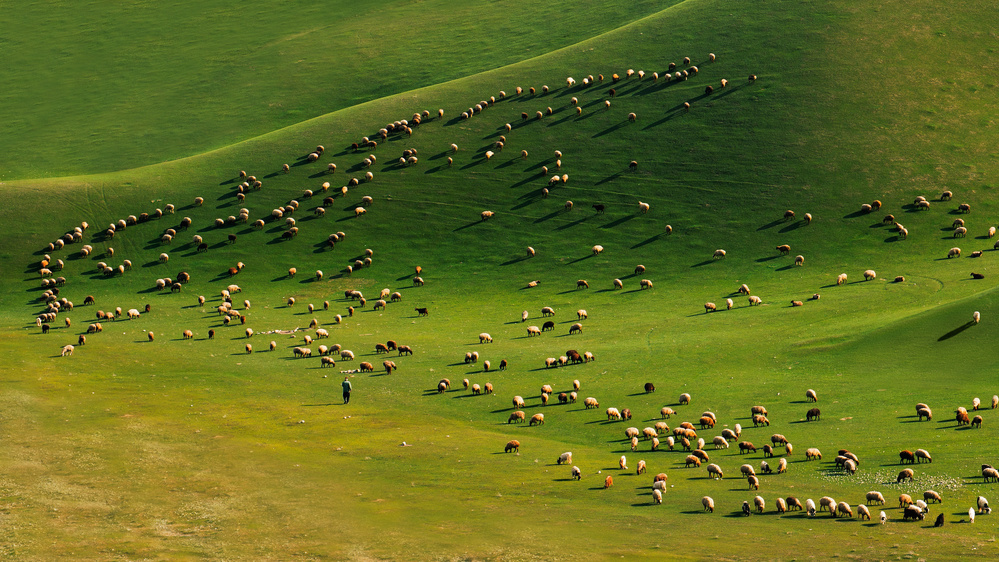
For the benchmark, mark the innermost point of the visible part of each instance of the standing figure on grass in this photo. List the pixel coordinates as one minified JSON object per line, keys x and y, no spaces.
{"x":346,"y":389}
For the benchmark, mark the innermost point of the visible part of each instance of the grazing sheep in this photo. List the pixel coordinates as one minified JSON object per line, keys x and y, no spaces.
{"x":718,"y":254}
{"x":905,"y":474}
{"x":517,"y":416}
{"x":618,"y":284}
{"x":799,"y":260}
{"x":518,"y":402}
{"x":591,"y":403}
{"x":983,"y":505}
{"x":784,"y":249}
{"x":512,"y":445}
{"x":710,"y":307}
{"x":67,"y":350}
{"x":576,"y":328}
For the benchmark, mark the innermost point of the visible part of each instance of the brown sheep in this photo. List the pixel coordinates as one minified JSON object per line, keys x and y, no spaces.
{"x":906,"y":474}
{"x":512,"y":445}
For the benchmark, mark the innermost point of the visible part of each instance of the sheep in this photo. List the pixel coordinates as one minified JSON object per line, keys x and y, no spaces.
{"x":591,"y":403}
{"x":799,"y":260}
{"x":597,"y":249}
{"x":760,"y":504}
{"x":576,"y":328}
{"x":990,"y":474}
{"x":718,"y":254}
{"x":813,"y":453}
{"x":975,"y":317}
{"x":905,"y":474}
{"x":518,"y":402}
{"x":67,"y":350}
{"x":983,"y":505}
{"x":964,"y":208}
{"x":618,"y":284}
{"x":512,"y":445}
{"x":710,"y":307}
{"x":517,"y":416}
{"x":954,"y":252}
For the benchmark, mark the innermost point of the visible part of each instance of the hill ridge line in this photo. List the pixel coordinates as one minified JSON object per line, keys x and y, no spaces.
{"x":89,"y":177}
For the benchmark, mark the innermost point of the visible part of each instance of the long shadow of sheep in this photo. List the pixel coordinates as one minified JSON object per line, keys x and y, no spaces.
{"x":956,"y":331}
{"x":645,"y":242}
{"x":619,"y":221}
{"x":469,"y":225}
{"x":612,"y":128}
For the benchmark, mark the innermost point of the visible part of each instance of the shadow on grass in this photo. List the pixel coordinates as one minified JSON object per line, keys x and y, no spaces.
{"x":956,"y":331}
{"x":619,"y":221}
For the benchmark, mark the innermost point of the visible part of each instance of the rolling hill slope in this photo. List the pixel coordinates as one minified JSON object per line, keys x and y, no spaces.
{"x":192,"y":448}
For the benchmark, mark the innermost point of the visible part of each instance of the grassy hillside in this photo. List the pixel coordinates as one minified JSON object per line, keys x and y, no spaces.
{"x":179,"y":448}
{"x":115,"y":86}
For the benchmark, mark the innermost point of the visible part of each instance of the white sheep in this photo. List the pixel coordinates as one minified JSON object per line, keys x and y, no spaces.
{"x":643,"y":207}
{"x":975,"y":318}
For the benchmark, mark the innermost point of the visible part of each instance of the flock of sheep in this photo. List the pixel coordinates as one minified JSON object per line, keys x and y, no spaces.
{"x":683,"y":437}
{"x":660,"y":437}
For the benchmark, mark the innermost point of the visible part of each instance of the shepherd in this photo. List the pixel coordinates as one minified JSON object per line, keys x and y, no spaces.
{"x":346,"y":389}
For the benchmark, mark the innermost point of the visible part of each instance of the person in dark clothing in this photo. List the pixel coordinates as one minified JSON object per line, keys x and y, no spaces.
{"x":346,"y":389}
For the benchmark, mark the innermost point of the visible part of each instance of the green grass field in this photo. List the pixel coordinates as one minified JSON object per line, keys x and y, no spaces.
{"x":185,"y":449}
